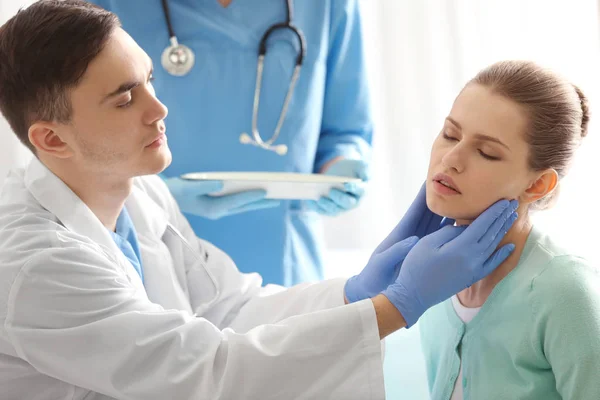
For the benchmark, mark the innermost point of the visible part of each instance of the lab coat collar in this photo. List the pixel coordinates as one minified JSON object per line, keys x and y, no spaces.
{"x":55,"y":196}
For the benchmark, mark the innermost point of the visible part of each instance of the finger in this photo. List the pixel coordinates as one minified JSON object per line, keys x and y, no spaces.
{"x":258,"y":205}
{"x":483,"y":222}
{"x":236,"y":200}
{"x":362,"y":171}
{"x":430,"y":223}
{"x":444,"y":236}
{"x":446,"y":222}
{"x":354,"y":188}
{"x":495,"y":260}
{"x":500,"y":234}
{"x":327,"y":206}
{"x":398,"y":251}
{"x":498,"y":229}
{"x":393,"y":257}
{"x":342,"y":199}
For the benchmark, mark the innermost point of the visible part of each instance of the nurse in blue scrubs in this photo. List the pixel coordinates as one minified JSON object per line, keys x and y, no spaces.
{"x":327,"y":127}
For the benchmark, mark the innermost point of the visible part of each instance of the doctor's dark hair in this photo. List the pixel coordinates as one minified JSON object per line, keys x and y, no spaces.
{"x":45,"y":50}
{"x":558,"y":114}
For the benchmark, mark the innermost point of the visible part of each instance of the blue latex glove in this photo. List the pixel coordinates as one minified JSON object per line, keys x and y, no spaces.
{"x":342,"y":200}
{"x":193,"y":198}
{"x":381,"y":271}
{"x":418,"y":221}
{"x":450,"y":260}
{"x":385,"y":262}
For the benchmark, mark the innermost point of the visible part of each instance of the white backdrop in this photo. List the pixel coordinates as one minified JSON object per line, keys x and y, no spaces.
{"x":420,"y":54}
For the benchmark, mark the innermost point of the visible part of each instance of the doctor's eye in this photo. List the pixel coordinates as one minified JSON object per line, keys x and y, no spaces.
{"x":127,"y":104}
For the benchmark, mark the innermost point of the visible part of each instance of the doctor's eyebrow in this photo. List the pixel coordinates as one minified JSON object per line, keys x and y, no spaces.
{"x":479,"y":136}
{"x":126,"y":87}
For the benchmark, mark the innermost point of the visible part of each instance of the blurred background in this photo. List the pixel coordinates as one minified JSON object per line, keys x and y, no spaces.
{"x":420,"y":54}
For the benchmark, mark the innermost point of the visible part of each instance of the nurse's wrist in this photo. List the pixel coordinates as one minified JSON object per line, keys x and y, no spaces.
{"x":389,"y":318}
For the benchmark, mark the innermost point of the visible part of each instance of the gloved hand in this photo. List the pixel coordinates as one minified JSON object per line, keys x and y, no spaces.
{"x":450,"y":260}
{"x":418,"y":221}
{"x":385,"y":262}
{"x":193,"y":198}
{"x":342,"y":200}
{"x":381,"y":270}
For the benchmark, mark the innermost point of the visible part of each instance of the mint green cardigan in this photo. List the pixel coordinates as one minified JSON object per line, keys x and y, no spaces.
{"x":536,"y":337}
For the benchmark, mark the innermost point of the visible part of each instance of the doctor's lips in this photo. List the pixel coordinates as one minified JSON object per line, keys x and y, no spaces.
{"x":444,"y":184}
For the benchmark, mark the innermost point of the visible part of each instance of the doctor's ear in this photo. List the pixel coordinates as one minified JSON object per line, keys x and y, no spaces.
{"x":541,"y":187}
{"x":45,"y":138}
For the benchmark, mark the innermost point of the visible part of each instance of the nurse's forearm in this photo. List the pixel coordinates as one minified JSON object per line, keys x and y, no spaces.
{"x":389,"y":319}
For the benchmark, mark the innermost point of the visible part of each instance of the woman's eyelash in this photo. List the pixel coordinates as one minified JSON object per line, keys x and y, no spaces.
{"x":445,"y":135}
{"x":488,"y":157}
{"x":484,"y":155}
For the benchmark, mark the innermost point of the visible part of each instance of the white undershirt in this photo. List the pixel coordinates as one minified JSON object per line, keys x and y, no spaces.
{"x":466,"y":315}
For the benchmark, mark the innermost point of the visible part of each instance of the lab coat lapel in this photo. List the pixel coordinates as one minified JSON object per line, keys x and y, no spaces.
{"x":55,"y":196}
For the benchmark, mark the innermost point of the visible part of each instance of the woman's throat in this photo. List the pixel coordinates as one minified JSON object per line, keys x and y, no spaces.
{"x":478,"y":293}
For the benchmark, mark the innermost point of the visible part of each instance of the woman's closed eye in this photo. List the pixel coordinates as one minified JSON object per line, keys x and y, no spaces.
{"x":481,"y":152}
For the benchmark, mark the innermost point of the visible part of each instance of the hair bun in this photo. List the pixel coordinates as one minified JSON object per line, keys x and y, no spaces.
{"x":585,"y":118}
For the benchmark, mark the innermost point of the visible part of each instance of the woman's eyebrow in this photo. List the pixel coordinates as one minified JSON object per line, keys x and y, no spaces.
{"x":479,"y":136}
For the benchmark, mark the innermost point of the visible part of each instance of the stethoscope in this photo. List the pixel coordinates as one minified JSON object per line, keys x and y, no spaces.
{"x":178,"y":59}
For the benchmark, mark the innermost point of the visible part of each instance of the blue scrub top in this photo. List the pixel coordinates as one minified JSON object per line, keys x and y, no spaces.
{"x":209,"y":108}
{"x":125,"y":237}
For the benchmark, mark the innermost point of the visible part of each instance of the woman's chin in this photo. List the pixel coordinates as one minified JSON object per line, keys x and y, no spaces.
{"x":462,"y":217}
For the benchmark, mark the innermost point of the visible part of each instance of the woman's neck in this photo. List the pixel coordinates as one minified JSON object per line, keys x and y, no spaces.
{"x":478,"y":293}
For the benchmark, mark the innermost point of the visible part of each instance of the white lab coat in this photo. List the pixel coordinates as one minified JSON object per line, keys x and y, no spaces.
{"x":76,"y":322}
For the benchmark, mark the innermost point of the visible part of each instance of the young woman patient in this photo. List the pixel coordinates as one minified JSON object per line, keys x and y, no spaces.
{"x":530,"y":330}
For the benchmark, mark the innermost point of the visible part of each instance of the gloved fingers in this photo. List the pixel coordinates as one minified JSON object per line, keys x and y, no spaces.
{"x":445,"y":235}
{"x":493,"y":243}
{"x":398,"y":251}
{"x":350,"y":290}
{"x":361,"y":170}
{"x":494,"y":261}
{"x":482,"y":224}
{"x":499,"y":228}
{"x":236,"y":200}
{"x":417,"y":209}
{"x":327,"y":206}
{"x":343,"y":200}
{"x":356,"y":189}
{"x":429,"y":224}
{"x":447,"y":222}
{"x":351,"y":168}
{"x":257,"y":205}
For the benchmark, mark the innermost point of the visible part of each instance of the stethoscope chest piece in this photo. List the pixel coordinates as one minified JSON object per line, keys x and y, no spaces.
{"x":177,"y":59}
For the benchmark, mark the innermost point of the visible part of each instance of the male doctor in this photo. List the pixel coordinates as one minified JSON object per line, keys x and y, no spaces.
{"x":105,"y":291}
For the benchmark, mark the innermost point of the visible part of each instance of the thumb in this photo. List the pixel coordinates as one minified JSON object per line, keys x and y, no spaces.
{"x":398,"y":251}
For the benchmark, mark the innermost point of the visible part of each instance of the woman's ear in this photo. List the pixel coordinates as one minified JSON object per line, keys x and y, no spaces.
{"x":46,"y":138}
{"x":541,"y":187}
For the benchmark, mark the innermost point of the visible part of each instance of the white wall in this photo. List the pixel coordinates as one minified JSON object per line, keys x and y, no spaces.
{"x":421,"y":53}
